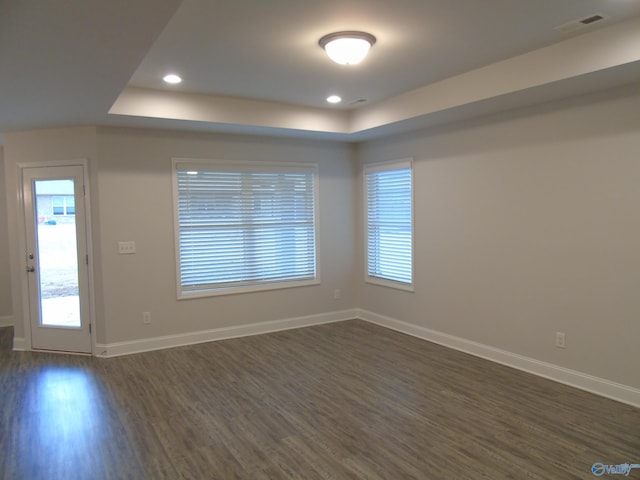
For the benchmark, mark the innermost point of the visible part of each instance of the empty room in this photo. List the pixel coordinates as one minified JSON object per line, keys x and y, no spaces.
{"x":284,"y":239}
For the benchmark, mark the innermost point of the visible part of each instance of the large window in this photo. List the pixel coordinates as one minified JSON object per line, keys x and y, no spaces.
{"x":244,"y":226}
{"x":389,"y":226}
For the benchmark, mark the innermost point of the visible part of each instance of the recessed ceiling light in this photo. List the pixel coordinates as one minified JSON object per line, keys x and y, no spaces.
{"x":347,"y":48}
{"x":334,"y":99}
{"x":172,"y":78}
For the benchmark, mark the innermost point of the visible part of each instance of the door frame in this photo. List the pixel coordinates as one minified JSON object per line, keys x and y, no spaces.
{"x":22,"y":246}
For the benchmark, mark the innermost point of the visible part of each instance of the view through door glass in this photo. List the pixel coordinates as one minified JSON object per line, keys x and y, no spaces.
{"x":57,"y":253}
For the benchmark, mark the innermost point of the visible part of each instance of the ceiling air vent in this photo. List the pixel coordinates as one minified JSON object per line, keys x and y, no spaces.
{"x":591,"y":19}
{"x":581,"y":23}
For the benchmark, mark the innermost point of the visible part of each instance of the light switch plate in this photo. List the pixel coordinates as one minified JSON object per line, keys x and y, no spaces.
{"x":126,"y":248}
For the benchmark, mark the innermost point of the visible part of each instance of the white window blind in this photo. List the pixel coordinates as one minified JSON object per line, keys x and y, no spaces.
{"x":389,"y":221}
{"x":245,"y":225}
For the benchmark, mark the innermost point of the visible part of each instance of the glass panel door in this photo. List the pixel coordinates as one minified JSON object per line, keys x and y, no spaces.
{"x":56,"y":258}
{"x":57,"y":253}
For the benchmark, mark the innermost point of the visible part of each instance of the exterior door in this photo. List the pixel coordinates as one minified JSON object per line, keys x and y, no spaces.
{"x":57,"y":258}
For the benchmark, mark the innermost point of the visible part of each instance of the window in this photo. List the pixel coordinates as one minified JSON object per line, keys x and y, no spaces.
{"x":389,"y":228}
{"x":244,"y":226}
{"x":64,"y":205}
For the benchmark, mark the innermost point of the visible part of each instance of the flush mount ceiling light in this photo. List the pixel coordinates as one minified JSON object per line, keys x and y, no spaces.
{"x":334,"y":99}
{"x":347,"y":48}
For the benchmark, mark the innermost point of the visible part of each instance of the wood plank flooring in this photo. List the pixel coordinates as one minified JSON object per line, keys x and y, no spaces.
{"x":348,"y":400}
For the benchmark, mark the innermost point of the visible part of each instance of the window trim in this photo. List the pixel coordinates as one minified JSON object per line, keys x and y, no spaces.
{"x":238,"y":165}
{"x":380,"y":167}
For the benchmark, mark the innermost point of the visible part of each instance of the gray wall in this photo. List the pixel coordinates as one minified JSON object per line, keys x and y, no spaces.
{"x":6,"y":310}
{"x":131,"y":199}
{"x":526,"y":224}
{"x":136,"y":203}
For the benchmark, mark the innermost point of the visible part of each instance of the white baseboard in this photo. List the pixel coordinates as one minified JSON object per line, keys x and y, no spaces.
{"x":169,"y":341}
{"x":19,"y":344}
{"x":583,"y":381}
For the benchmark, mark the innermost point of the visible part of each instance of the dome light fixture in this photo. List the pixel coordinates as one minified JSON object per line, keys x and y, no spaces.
{"x":347,"y":48}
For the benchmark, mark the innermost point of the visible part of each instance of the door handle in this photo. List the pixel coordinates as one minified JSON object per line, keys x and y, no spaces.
{"x":31,"y":269}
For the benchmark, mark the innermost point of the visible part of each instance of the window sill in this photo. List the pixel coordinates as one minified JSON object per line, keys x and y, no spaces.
{"x":239,"y":290}
{"x":389,"y":283}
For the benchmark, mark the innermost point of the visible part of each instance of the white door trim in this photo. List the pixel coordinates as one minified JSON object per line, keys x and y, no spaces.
{"x":22,"y":245}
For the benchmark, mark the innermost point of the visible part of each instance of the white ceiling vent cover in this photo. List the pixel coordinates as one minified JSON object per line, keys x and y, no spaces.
{"x":581,"y":23}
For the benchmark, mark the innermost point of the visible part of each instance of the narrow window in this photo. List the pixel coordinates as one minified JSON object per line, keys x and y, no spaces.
{"x":389,"y":225}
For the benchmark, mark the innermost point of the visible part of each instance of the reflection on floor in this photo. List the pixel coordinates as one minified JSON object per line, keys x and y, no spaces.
{"x":57,"y":420}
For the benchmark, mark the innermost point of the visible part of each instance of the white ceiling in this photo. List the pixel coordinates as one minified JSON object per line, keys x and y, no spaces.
{"x":255,"y":65}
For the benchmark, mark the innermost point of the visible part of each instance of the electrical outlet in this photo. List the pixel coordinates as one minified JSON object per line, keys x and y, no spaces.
{"x":560,"y":340}
{"x":337,"y":294}
{"x":146,"y":318}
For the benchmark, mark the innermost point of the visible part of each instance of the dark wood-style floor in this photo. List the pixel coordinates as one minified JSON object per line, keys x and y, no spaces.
{"x":347,"y":400}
